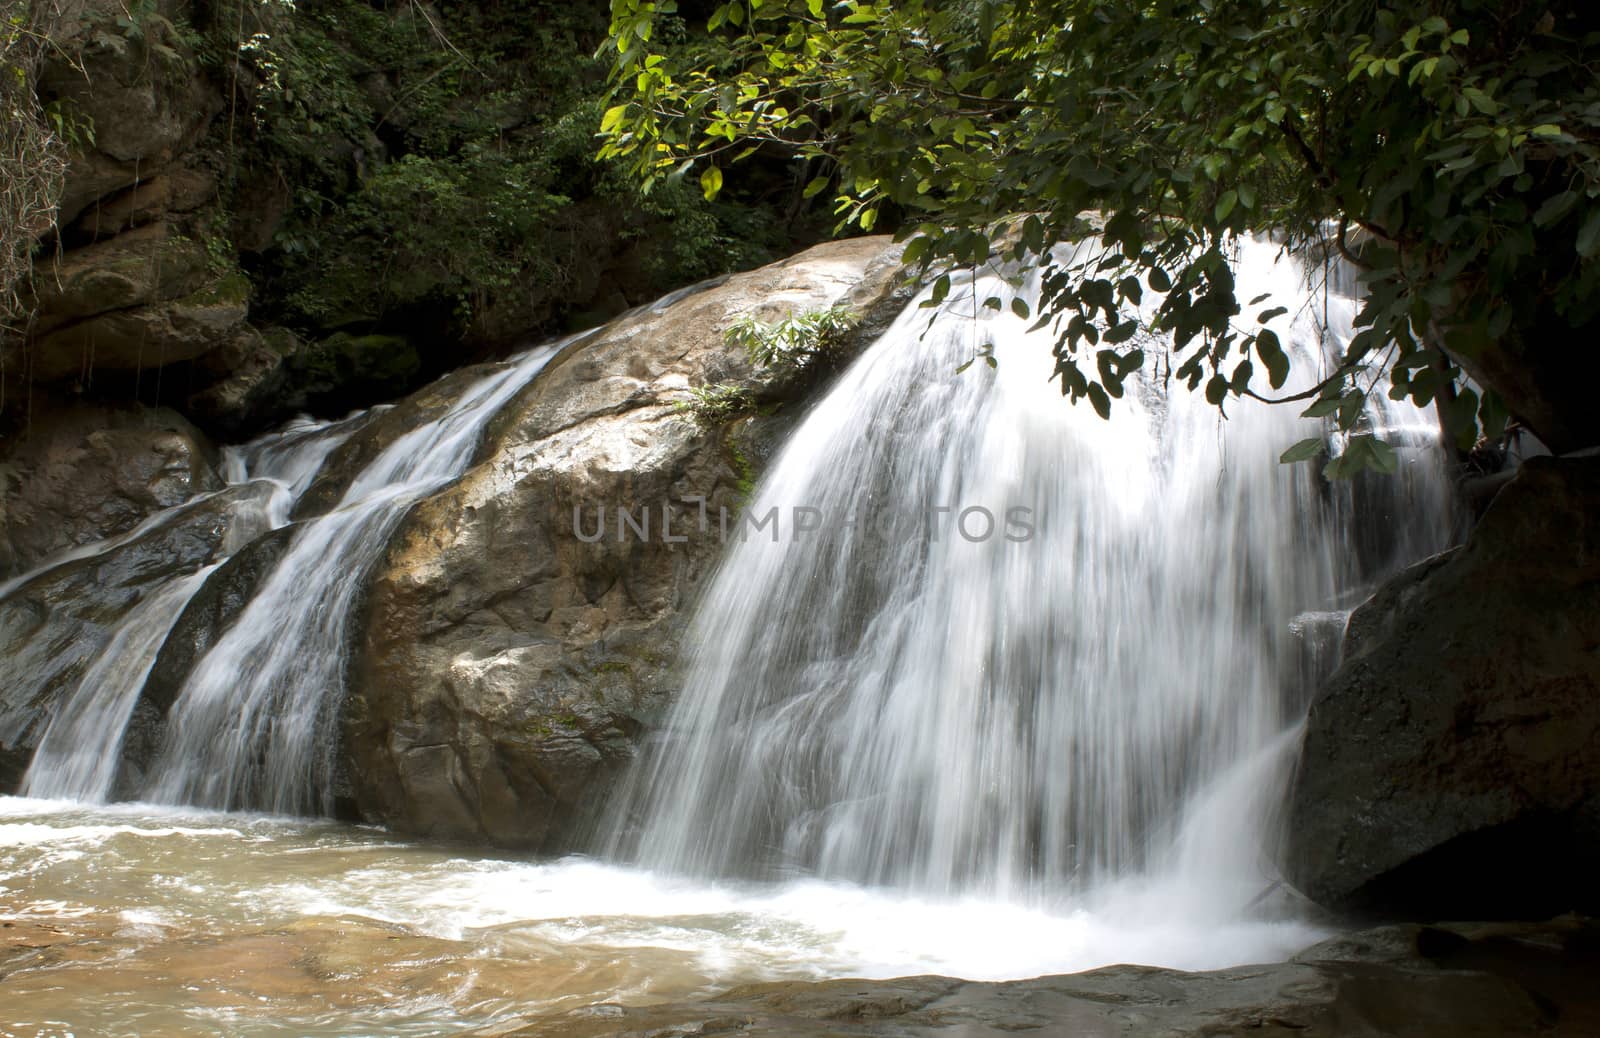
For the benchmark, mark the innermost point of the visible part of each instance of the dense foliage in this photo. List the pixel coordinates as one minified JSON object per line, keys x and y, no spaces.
{"x":32,"y":150}
{"x":431,"y":167}
{"x":1450,"y":150}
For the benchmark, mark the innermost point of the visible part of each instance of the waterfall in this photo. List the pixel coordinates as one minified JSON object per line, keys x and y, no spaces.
{"x":254,"y":723}
{"x":78,"y":754}
{"x":1024,"y":649}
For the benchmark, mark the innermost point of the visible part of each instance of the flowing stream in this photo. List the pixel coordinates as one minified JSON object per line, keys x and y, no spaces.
{"x":1006,"y":690}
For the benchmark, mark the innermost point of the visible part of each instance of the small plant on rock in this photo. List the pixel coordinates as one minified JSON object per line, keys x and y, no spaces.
{"x":799,"y":339}
{"x":717,"y":403}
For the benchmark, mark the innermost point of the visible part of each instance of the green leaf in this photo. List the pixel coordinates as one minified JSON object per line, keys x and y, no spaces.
{"x":711,"y":182}
{"x":1554,"y":208}
{"x":1019,"y":307}
{"x":815,"y":187}
{"x":1272,"y":355}
{"x":1305,"y":450}
{"x":1384,"y":458}
{"x":1328,"y":405}
{"x":1101,"y":402}
{"x":1589,"y":235}
{"x":1121,"y":333}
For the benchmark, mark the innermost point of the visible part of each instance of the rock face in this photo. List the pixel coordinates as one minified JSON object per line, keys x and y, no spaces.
{"x":1454,"y":758}
{"x":138,"y":301}
{"x":81,"y":473}
{"x":511,"y":657}
{"x":134,"y":79}
{"x":1420,"y":982}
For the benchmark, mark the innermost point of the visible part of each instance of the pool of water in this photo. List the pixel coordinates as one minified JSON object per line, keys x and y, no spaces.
{"x":137,"y":920}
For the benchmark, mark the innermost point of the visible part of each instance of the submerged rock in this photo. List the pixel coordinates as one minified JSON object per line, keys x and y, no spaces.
{"x":510,"y":659}
{"x":1424,"y":982}
{"x":1452,"y":763}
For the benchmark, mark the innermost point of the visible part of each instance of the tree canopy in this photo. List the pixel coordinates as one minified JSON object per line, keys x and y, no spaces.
{"x":1451,"y":151}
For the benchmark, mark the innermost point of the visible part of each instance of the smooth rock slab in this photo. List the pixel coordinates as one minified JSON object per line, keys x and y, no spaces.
{"x":1457,"y":981}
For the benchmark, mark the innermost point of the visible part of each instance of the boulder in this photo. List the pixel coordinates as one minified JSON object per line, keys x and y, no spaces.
{"x":144,"y":337}
{"x":80,"y":473}
{"x":1452,"y":762}
{"x":510,"y":661}
{"x":149,"y":264}
{"x":163,"y":195}
{"x":132,"y":78}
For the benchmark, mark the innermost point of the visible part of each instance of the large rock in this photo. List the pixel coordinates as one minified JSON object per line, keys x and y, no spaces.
{"x":1453,"y":760}
{"x":509,"y":665}
{"x":80,"y":473}
{"x":1458,"y":981}
{"x":132,"y":78}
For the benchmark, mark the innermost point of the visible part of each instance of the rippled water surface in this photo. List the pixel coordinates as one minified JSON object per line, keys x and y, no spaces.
{"x":133,"y":920}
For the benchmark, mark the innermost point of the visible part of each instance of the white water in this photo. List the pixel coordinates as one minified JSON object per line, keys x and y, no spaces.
{"x":1032,"y":716}
{"x":255,"y":724}
{"x":77,"y":755}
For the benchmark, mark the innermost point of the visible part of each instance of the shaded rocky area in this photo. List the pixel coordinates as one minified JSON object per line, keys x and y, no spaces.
{"x":510,"y":660}
{"x":1452,"y":763}
{"x":1446,"y":981}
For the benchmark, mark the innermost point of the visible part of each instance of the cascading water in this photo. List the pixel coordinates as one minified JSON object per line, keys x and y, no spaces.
{"x":78,"y":755}
{"x":253,"y":725}
{"x":1025,"y":648}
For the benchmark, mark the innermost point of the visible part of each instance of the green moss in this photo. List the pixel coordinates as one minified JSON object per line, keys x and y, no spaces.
{"x":232,"y":289}
{"x":374,"y":359}
{"x":612,"y":667}
{"x":744,"y":471}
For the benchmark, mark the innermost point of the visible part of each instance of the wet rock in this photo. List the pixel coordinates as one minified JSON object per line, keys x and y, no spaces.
{"x":80,"y":473}
{"x":1452,"y":762}
{"x":1421,"y":982}
{"x":54,"y":623}
{"x":510,"y":665}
